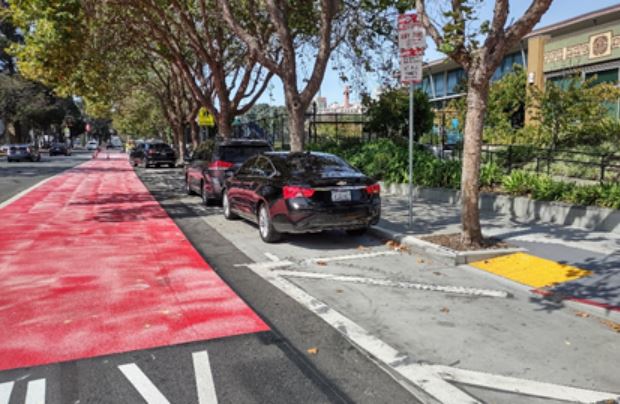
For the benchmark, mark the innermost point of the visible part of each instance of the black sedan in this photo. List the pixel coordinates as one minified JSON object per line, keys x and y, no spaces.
{"x":59,"y":149}
{"x":301,"y":193}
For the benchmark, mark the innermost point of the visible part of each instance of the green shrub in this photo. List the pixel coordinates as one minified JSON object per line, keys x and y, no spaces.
{"x":609,"y":195}
{"x":490,"y":174}
{"x":584,"y":195}
{"x":520,"y":182}
{"x":546,"y":189}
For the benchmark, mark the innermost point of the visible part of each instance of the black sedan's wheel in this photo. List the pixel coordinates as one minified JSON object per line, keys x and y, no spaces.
{"x":357,"y":232}
{"x":265,"y":227}
{"x":226,"y":207}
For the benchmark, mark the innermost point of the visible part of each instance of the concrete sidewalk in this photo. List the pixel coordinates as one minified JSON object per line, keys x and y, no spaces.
{"x":598,"y":252}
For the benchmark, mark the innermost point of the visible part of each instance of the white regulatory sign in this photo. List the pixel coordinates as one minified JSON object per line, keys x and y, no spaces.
{"x":411,"y":34}
{"x":410,"y":69}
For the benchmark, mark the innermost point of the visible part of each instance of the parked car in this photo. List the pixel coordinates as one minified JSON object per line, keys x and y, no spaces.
{"x":207,"y":171}
{"x":4,"y":150}
{"x":300,"y":193}
{"x":153,"y":154}
{"x":22,"y":152}
{"x":60,"y":149}
{"x":92,"y":145}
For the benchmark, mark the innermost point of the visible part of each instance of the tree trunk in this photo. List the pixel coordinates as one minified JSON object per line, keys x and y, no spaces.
{"x":224,"y":124}
{"x":179,"y":139}
{"x":296,"y":118}
{"x":194,"y":130}
{"x":470,"y":178}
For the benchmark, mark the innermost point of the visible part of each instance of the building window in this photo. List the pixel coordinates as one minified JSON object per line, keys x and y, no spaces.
{"x":604,"y":76}
{"x":426,"y":87}
{"x":507,"y":65}
{"x":454,"y":79}
{"x":440,"y":84}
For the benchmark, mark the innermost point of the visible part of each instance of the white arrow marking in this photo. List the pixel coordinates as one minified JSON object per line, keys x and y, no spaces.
{"x":5,"y":392}
{"x":35,"y":394}
{"x":460,"y":290}
{"x":143,"y":384}
{"x":204,"y":378}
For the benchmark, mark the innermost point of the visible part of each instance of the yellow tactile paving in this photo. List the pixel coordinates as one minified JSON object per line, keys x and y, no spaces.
{"x":530,"y":270}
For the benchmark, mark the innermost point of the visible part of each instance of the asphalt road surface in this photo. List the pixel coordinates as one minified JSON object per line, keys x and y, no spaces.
{"x":17,"y":176}
{"x":104,"y":300}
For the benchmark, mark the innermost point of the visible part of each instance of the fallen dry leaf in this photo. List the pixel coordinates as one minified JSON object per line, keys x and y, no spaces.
{"x":612,"y":325}
{"x":339,"y":290}
{"x":420,"y":261}
{"x":403,"y":248}
{"x":361,"y":248}
{"x":321,"y":263}
{"x":582,"y":314}
{"x":444,"y":310}
{"x":392,"y":244}
{"x":313,"y":350}
{"x":437,"y":273}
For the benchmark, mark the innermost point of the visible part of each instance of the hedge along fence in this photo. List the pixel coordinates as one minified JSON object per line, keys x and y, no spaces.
{"x":387,"y":160}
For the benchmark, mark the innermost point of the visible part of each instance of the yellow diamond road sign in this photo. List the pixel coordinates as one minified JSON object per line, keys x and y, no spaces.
{"x":205,"y":118}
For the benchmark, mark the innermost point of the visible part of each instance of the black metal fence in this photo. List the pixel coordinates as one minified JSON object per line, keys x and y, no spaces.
{"x":567,"y":163}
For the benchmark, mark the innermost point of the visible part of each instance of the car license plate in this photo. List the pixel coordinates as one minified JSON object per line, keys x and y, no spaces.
{"x":341,"y":196}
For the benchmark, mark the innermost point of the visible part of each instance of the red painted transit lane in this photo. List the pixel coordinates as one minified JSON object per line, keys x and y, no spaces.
{"x":91,"y":264}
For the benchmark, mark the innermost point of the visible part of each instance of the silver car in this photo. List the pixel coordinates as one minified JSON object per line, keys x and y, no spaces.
{"x":23,"y":152}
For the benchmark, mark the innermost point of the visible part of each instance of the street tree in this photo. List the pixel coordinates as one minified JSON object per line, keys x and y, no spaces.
{"x":480,"y":51}
{"x":221,"y":72}
{"x":299,"y":29}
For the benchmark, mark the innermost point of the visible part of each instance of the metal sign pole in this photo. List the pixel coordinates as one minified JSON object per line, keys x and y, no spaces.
{"x":411,"y":118}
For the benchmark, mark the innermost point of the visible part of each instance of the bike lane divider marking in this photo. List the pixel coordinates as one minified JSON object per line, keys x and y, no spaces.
{"x":5,"y":392}
{"x":35,"y":392}
{"x":143,"y":384}
{"x":205,"y":387}
{"x":112,"y":273}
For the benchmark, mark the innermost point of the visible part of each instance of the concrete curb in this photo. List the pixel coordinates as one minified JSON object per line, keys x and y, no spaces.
{"x":450,"y":257}
{"x":439,"y":253}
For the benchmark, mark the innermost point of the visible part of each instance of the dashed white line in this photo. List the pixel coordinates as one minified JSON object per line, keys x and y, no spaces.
{"x":35,"y":392}
{"x":204,"y":378}
{"x":5,"y":392}
{"x":143,"y":384}
{"x":460,"y":290}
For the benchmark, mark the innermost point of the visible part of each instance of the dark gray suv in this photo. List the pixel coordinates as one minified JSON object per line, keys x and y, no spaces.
{"x":210,"y":166}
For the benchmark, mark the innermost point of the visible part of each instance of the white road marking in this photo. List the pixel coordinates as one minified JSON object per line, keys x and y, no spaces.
{"x":267,"y":265}
{"x":27,"y":190}
{"x":431,"y":379}
{"x":460,"y":290}
{"x":272,"y":257}
{"x":434,"y":385}
{"x":5,"y":392}
{"x":351,"y":257}
{"x":204,"y":378}
{"x":35,"y":393}
{"x":143,"y":384}
{"x":523,"y":386}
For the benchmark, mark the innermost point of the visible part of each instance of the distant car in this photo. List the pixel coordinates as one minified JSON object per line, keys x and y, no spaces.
{"x":92,"y":145}
{"x":153,"y":154}
{"x":61,"y":149}
{"x":207,"y":171}
{"x":23,"y":152}
{"x":4,"y":150}
{"x":300,"y":193}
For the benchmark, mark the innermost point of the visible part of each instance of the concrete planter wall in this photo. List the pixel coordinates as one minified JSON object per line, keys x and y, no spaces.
{"x":521,"y":208}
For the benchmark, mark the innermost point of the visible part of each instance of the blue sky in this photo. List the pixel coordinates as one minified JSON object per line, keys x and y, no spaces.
{"x":560,"y":10}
